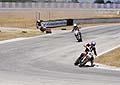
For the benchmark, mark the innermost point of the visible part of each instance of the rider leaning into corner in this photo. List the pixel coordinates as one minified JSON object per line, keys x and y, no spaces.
{"x":77,"y":32}
{"x":89,"y":47}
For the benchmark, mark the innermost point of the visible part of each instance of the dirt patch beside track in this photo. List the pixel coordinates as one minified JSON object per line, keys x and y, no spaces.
{"x":111,"y":58}
{"x":5,"y":35}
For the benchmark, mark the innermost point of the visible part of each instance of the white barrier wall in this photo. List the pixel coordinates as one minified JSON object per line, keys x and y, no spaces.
{"x":56,"y":5}
{"x":56,"y":23}
{"x":99,"y":20}
{"x":49,"y":24}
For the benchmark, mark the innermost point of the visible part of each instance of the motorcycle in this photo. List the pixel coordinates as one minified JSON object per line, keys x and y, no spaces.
{"x":41,"y":28}
{"x":78,"y":35}
{"x":83,"y":59}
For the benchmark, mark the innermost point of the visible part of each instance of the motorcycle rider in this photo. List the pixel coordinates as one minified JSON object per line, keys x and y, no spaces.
{"x":89,"y":47}
{"x":77,"y":32}
{"x":38,"y":24}
{"x":75,"y":27}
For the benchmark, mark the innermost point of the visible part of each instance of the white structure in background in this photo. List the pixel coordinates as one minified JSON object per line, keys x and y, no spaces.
{"x":50,"y":0}
{"x":88,"y":1}
{"x":64,"y":0}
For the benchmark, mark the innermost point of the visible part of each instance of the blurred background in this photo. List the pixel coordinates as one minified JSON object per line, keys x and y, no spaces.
{"x":24,"y":13}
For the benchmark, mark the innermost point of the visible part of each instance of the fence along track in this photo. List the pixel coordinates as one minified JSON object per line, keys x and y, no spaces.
{"x":56,"y":5}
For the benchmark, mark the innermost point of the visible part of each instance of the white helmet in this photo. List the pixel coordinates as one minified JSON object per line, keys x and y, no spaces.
{"x":38,"y":20}
{"x":75,"y":24}
{"x":44,"y":26}
{"x":93,"y":43}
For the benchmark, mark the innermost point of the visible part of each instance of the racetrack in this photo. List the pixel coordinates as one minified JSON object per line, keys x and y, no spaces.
{"x":49,"y":59}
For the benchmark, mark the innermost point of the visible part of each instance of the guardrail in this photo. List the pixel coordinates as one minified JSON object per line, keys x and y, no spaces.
{"x":56,"y":5}
{"x":66,"y":22}
{"x":97,"y":20}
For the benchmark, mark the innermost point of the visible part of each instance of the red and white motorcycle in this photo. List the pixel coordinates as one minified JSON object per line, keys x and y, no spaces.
{"x":82,"y":60}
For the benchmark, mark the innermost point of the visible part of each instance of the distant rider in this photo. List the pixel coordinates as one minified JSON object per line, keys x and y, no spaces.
{"x":77,"y":32}
{"x":75,"y":27}
{"x":38,"y":24}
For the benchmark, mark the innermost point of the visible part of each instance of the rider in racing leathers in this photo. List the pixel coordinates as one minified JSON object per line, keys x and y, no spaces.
{"x":38,"y":24}
{"x":75,"y":27}
{"x":89,"y":47}
{"x":77,"y":32}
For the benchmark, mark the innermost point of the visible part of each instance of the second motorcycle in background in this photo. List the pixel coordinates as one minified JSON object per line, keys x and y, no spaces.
{"x":77,"y":32}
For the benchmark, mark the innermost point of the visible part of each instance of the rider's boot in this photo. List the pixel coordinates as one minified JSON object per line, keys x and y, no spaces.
{"x":92,"y":62}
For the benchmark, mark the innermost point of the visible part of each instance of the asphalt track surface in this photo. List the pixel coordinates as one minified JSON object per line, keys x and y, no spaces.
{"x":49,"y":59}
